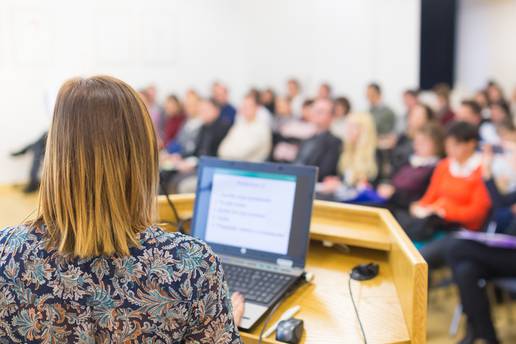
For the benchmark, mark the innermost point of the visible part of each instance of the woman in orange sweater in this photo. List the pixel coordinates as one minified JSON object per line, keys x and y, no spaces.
{"x":456,"y":198}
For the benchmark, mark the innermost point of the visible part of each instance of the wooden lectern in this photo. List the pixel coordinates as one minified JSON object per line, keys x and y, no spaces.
{"x":392,"y":306}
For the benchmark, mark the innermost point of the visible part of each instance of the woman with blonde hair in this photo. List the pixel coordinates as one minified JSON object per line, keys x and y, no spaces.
{"x":357,"y":163}
{"x":92,"y":267}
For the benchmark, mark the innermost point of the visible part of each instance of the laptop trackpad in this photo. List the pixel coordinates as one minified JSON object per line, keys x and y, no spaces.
{"x":252,"y":313}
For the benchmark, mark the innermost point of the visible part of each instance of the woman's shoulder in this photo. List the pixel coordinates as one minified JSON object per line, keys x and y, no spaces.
{"x":180,"y":247}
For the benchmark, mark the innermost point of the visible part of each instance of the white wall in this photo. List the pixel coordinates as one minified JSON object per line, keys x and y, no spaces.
{"x":180,"y":44}
{"x":485,"y":44}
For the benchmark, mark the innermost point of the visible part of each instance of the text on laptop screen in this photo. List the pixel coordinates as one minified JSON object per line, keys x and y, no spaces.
{"x":251,"y":210}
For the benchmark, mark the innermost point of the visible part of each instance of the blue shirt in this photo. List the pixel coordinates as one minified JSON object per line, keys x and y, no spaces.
{"x":171,"y":289}
{"x":228,"y":113}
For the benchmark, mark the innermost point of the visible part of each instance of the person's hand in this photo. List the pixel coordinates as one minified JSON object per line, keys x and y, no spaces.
{"x":513,"y":209}
{"x":330,"y":184}
{"x":420,"y":212}
{"x":387,"y":141}
{"x":238,"y":303}
{"x":487,"y":161}
{"x":386,"y":190}
{"x":186,"y":166}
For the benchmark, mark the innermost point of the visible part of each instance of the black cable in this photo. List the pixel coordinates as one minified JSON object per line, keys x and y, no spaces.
{"x":356,"y":310}
{"x":179,"y":223}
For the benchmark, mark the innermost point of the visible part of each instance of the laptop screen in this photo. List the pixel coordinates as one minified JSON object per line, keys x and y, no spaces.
{"x":257,"y":211}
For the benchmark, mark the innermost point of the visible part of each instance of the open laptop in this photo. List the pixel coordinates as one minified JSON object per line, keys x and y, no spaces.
{"x":256,"y":217}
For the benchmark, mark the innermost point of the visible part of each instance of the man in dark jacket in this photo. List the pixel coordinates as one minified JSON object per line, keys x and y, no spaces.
{"x":323,"y":149}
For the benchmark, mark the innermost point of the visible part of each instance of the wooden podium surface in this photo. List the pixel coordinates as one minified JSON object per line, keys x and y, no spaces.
{"x":392,"y":306}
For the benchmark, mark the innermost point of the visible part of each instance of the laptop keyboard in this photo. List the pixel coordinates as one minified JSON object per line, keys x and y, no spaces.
{"x":256,"y":285}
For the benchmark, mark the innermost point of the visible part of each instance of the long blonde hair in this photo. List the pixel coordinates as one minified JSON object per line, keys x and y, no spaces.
{"x":358,"y":159}
{"x":100,"y":171}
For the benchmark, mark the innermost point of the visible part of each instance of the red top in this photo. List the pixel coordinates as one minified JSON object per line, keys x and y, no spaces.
{"x":172,"y":126}
{"x":465,"y":200}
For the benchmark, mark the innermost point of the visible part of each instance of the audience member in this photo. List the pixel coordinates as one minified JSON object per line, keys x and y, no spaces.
{"x":268,"y":100}
{"x":174,"y":118}
{"x":283,"y":113}
{"x":473,"y":263}
{"x":322,"y":149}
{"x":357,"y":164}
{"x":249,"y":139}
{"x":210,"y":135}
{"x":419,"y":117}
{"x":324,"y":91}
{"x":155,"y":110}
{"x":410,"y":100}
{"x":482,"y":101}
{"x":191,"y":103}
{"x":495,"y":93}
{"x":500,"y":115}
{"x":513,"y":106}
{"x":446,"y":205}
{"x":384,"y":117}
{"x":38,"y":153}
{"x":221,"y":95}
{"x":341,"y":111}
{"x":410,"y":181}
{"x":444,"y":112}
{"x":294,"y":96}
{"x":470,"y":112}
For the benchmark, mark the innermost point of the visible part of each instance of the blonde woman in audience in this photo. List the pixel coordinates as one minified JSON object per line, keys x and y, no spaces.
{"x":249,"y":139}
{"x":357,"y":163}
{"x":93,"y":266}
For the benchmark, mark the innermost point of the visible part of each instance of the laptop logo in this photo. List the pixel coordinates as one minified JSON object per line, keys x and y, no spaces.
{"x":243,"y":250}
{"x":287,"y":263}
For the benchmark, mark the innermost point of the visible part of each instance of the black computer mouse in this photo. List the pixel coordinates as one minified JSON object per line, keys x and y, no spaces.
{"x":364,"y":272}
{"x":289,"y":331}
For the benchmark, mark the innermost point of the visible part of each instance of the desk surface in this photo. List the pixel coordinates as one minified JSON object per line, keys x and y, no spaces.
{"x":326,"y":306}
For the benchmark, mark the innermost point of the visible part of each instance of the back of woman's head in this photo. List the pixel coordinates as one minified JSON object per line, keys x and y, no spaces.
{"x":100,"y":172}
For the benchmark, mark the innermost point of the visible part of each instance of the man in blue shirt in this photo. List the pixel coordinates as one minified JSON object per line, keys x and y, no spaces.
{"x":220,"y":94}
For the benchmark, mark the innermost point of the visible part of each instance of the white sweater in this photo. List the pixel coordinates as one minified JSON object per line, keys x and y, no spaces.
{"x":247,"y":141}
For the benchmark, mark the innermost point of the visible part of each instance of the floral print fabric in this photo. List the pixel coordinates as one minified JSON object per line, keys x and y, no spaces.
{"x":171,"y":289}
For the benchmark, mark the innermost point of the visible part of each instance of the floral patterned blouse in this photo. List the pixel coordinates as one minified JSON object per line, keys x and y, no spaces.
{"x":169,"y":290}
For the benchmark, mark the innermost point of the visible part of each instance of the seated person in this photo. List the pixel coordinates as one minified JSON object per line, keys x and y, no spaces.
{"x":444,"y":112}
{"x":469,"y":111}
{"x":282,"y":114}
{"x":324,"y":91}
{"x":249,"y":139}
{"x":341,"y":111}
{"x":290,"y":133}
{"x":410,"y":100}
{"x":501,"y":115}
{"x":456,"y":198}
{"x":357,"y":164}
{"x":393,"y":156}
{"x":384,"y":117}
{"x":186,"y":138}
{"x":411,"y":180}
{"x":174,"y":118}
{"x":268,"y":100}
{"x":220,"y":94}
{"x":500,"y":176}
{"x":473,"y":261}
{"x":323,"y":149}
{"x":211,"y":133}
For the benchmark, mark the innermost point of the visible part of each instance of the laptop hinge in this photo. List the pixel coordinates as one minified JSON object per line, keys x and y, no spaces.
{"x":281,"y":267}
